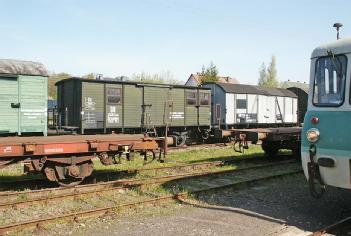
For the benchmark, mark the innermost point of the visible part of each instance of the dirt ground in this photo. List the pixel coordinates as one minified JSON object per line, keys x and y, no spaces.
{"x":278,"y":207}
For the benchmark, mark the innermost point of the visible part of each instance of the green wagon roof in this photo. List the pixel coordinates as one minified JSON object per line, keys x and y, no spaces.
{"x":136,"y":83}
{"x":19,"y":67}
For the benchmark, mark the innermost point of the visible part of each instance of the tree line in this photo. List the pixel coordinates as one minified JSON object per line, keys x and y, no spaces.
{"x":209,"y":73}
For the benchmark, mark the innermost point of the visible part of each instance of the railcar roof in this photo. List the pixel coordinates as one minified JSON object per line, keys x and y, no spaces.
{"x":19,"y":67}
{"x":252,"y":89}
{"x":341,"y":46}
{"x":138,"y":83}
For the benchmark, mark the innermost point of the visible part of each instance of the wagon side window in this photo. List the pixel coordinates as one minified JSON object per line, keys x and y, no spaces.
{"x":204,"y":99}
{"x":114,"y":96}
{"x":191,"y":98}
{"x":241,"y":103}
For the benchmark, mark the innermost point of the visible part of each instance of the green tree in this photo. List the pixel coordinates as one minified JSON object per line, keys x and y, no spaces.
{"x":268,"y":77}
{"x":272,"y":80}
{"x":263,"y":75}
{"x":51,"y":83}
{"x":209,"y":73}
{"x":90,"y":76}
{"x":164,"y":77}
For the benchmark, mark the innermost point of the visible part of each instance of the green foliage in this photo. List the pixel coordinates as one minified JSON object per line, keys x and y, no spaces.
{"x":272,"y":80}
{"x":90,"y":76}
{"x":263,"y":75}
{"x":51,"y":83}
{"x":269,"y":78}
{"x":165,"y":77}
{"x":209,"y":73}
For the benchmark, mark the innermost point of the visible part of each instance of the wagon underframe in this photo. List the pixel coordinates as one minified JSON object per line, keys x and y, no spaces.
{"x":68,"y":159}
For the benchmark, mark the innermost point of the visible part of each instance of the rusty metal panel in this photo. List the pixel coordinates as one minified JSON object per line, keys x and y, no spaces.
{"x":72,"y":144}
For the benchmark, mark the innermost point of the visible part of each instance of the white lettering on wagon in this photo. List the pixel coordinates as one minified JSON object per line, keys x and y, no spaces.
{"x":8,"y":149}
{"x":53,"y":150}
{"x":176,"y":115}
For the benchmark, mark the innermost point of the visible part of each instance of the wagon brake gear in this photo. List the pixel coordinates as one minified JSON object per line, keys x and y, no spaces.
{"x":314,"y":176}
{"x":240,"y":143}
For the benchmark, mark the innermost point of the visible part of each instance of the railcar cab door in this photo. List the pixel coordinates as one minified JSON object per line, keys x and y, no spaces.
{"x":326,"y":132}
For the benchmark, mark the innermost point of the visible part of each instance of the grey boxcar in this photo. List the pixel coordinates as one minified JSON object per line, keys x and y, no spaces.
{"x":23,"y":98}
{"x":238,"y":105}
{"x":104,"y":106}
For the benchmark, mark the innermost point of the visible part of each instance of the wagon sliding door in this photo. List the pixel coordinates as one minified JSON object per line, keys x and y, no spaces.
{"x":33,"y":104}
{"x":9,"y":105}
{"x":191,"y":112}
{"x":92,"y":106}
{"x":154,"y":106}
{"x":204,"y":108}
{"x":113,"y":109}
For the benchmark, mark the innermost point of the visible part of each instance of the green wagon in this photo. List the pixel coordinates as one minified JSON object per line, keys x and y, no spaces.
{"x":23,"y":98}
{"x":105,"y":106}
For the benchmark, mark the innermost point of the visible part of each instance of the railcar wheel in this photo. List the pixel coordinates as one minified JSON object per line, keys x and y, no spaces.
{"x":181,"y":140}
{"x":68,"y":175}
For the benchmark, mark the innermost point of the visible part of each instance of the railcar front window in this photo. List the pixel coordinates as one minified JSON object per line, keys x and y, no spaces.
{"x":329,"y":81}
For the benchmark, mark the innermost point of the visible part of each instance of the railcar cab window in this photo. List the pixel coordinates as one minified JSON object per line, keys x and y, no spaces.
{"x":114,"y":96}
{"x":191,"y":98}
{"x":204,"y":99}
{"x":329,"y":81}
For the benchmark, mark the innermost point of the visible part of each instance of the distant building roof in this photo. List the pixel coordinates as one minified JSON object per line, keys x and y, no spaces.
{"x":292,"y":84}
{"x":252,"y":89}
{"x":198,"y":76}
{"x":18,"y":67}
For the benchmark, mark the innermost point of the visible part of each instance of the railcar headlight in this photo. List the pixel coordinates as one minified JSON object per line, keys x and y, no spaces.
{"x":312,"y":135}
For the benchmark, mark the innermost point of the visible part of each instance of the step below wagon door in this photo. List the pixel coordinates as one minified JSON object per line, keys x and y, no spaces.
{"x":9,"y":105}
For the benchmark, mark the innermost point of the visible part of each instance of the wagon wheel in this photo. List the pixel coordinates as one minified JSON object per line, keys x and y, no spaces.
{"x":68,"y":175}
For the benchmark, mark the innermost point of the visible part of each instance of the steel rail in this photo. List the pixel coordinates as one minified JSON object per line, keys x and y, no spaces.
{"x":332,"y":228}
{"x":123,"y":184}
{"x":37,"y":223}
{"x":104,"y":174}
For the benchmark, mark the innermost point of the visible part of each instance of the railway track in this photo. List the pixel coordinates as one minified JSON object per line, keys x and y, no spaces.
{"x":46,"y":196}
{"x":107,"y":175}
{"x":342,"y":227}
{"x":39,"y":183}
{"x":109,"y":186}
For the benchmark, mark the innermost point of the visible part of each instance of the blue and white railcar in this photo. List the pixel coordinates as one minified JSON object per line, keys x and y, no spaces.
{"x":326,"y":137}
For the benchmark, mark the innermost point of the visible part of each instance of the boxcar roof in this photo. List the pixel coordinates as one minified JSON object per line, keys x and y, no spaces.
{"x":252,"y":89}
{"x":130,"y":82}
{"x":340,"y":46}
{"x":18,"y":67}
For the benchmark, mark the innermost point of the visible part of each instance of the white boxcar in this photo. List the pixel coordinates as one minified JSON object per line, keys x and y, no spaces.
{"x":248,"y":105}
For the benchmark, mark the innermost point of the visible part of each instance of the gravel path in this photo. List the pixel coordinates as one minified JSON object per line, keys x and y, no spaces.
{"x":278,"y":207}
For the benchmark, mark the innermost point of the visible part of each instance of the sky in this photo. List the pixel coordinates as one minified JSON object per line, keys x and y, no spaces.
{"x":116,"y":38}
